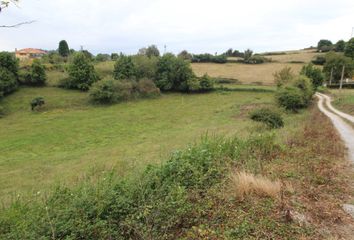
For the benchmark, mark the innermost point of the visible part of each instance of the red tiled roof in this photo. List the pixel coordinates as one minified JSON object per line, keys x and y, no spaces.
{"x":31,"y":51}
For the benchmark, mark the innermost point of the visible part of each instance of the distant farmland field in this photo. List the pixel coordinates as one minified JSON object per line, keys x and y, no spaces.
{"x":295,"y":56}
{"x":258,"y":73}
{"x":245,"y":73}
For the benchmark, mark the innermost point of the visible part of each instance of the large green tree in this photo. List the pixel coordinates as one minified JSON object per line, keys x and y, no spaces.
{"x":314,"y":74}
{"x":335,"y":62}
{"x":81,"y":73}
{"x":340,"y":46}
{"x":152,"y":51}
{"x":324,"y":45}
{"x":349,"y":49}
{"x":63,"y":49}
{"x":124,"y":68}
{"x":8,"y":73}
{"x":173,"y":73}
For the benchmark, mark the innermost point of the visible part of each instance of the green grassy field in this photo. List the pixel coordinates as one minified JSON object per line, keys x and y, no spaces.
{"x":344,"y":100}
{"x":69,"y":137}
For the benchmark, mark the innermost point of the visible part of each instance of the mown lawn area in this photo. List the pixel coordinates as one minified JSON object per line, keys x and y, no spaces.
{"x":69,"y":137}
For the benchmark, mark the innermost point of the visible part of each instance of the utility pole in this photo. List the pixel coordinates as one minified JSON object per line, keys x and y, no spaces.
{"x":165,"y":49}
{"x":341,"y":79}
{"x":331,"y":78}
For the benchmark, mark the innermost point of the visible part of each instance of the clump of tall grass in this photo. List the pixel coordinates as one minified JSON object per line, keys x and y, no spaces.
{"x":244,"y":184}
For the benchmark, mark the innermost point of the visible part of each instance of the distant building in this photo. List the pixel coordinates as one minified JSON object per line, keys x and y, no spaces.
{"x":29,"y":53}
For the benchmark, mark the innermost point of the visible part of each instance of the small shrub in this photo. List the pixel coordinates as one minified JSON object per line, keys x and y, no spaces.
{"x":37,"y":102}
{"x":244,"y":184}
{"x":193,"y":84}
{"x":147,"y":88}
{"x":206,"y":83}
{"x":82,"y":73}
{"x":283,"y":76}
{"x":291,"y":98}
{"x":265,"y":115}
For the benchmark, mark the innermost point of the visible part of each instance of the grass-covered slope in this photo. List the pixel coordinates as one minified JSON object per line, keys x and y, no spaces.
{"x":191,"y":196}
{"x":69,"y":136}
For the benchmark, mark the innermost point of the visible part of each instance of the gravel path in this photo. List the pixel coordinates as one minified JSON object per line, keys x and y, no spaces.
{"x":337,"y":117}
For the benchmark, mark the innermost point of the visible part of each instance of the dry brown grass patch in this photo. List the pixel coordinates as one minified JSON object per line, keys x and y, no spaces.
{"x":245,"y":73}
{"x":244,"y":184}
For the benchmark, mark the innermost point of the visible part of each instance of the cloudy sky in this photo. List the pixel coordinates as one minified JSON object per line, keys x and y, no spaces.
{"x":196,"y":25}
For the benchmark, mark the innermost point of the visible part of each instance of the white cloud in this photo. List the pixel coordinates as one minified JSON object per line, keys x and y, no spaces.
{"x":195,"y":25}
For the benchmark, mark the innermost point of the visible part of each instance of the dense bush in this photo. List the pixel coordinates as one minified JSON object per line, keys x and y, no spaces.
{"x":271,"y":118}
{"x":208,"y":58}
{"x":53,"y":57}
{"x":233,"y":53}
{"x":37,"y":102}
{"x":284,"y":76}
{"x":102,"y":57}
{"x":8,"y":73}
{"x":147,"y":88}
{"x":110,"y":90}
{"x":324,"y":45}
{"x":314,"y":73}
{"x":152,"y":51}
{"x":305,"y":85}
{"x":291,"y":98}
{"x":36,"y":75}
{"x":145,"y":67}
{"x":114,"y":56}
{"x":185,"y":55}
{"x":159,"y":204}
{"x":8,"y":82}
{"x":173,"y":73}
{"x":257,"y":59}
{"x":124,"y":68}
{"x":319,"y":60}
{"x":8,"y":61}
{"x":296,"y":94}
{"x":349,"y":49}
{"x":247,"y":55}
{"x":82,"y":73}
{"x":340,"y":46}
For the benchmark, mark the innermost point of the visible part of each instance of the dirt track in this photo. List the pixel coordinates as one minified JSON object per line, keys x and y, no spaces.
{"x":341,"y":121}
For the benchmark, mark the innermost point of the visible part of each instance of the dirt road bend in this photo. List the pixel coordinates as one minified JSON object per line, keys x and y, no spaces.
{"x":338,"y":118}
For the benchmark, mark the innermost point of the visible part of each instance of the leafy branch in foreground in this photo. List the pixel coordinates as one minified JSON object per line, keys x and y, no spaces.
{"x":5,"y":4}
